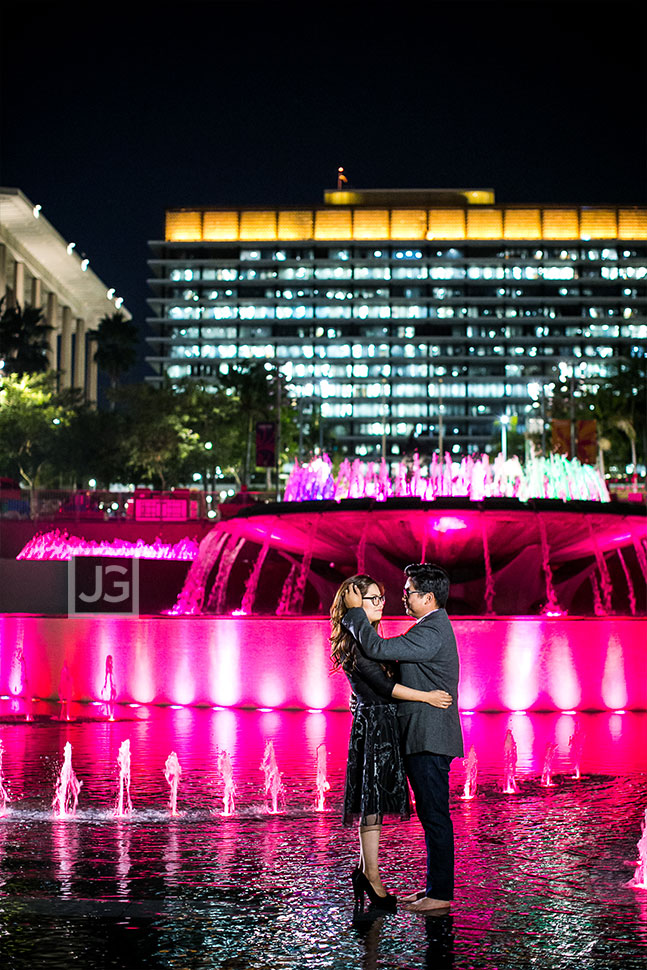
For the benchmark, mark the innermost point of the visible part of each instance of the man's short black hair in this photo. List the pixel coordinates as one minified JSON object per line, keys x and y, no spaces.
{"x":429,"y":578}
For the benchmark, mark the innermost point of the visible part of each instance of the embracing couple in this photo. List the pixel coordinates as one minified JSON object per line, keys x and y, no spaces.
{"x":405,"y":724}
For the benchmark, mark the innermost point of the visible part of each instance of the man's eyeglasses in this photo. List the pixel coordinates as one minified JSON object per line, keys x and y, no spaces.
{"x":375,"y":600}
{"x":406,"y":593}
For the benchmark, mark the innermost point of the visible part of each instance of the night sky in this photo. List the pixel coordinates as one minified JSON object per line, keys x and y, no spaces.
{"x":108,"y":117}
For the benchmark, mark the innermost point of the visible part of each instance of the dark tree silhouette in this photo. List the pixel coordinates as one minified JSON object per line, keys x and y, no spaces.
{"x":23,"y":339}
{"x":116,"y":341}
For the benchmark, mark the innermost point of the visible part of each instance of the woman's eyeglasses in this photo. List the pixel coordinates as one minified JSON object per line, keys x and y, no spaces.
{"x":376,"y":600}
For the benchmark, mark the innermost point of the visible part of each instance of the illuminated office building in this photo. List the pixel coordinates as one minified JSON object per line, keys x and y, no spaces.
{"x":398,"y":312}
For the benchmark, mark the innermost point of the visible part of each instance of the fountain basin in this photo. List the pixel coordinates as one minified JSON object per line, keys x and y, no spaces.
{"x":503,"y":556}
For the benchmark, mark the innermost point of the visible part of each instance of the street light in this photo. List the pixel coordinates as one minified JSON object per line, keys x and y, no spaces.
{"x":505,"y":421}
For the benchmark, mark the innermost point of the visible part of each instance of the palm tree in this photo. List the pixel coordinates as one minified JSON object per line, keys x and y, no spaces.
{"x":116,"y":339}
{"x":23,"y":339}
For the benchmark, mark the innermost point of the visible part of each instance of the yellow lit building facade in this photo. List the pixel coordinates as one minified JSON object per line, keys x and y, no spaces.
{"x":400,"y":312}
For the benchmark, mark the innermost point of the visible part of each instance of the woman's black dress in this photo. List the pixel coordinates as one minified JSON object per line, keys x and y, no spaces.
{"x":376,"y":783}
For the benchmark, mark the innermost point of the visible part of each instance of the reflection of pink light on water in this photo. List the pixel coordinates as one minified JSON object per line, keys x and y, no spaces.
{"x":4,"y":797}
{"x":576,"y":745}
{"x":109,"y":689}
{"x":61,"y":546}
{"x":510,"y":786}
{"x":65,"y":692}
{"x":547,"y":770}
{"x":227,"y":774}
{"x":124,"y":804}
{"x":172,"y":773}
{"x":273,"y":785}
{"x":323,"y":785}
{"x":639,"y":880}
{"x":471,"y":766}
{"x":66,"y":795}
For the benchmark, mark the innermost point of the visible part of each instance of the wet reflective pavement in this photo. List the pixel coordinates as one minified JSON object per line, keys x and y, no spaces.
{"x":541,"y":876}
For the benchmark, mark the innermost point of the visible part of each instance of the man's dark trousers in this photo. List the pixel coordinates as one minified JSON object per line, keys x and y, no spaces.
{"x":429,"y":777}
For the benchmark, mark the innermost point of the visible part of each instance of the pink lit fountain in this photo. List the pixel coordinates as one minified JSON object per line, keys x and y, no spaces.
{"x":124,"y":805}
{"x":323,"y":785}
{"x":19,"y":682}
{"x":66,"y":795}
{"x":172,"y":773}
{"x":471,"y":766}
{"x":273,"y":785}
{"x":510,"y":786}
{"x":229,"y":789}
{"x":547,"y":770}
{"x":497,"y":518}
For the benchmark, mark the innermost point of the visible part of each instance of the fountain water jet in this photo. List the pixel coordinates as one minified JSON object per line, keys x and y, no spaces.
{"x":547,"y":770}
{"x":172,"y":773}
{"x":576,"y":746}
{"x":510,"y":786}
{"x":227,"y":774}
{"x":273,"y":784}
{"x":323,"y":785}
{"x":471,"y":765}
{"x":639,"y":880}
{"x":68,"y":786}
{"x":124,"y":805}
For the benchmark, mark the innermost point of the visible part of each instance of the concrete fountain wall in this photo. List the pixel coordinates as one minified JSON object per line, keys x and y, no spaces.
{"x":508,"y":663}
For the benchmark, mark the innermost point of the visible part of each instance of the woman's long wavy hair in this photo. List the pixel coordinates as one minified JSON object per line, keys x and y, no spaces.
{"x":342,"y":643}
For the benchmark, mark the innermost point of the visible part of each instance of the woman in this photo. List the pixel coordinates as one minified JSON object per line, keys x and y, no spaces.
{"x":376,"y":783}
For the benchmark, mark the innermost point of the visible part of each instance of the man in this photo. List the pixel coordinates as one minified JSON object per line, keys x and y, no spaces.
{"x":431,"y":736}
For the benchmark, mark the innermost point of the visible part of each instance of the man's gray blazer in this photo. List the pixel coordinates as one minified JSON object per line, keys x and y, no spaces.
{"x":428,"y":661}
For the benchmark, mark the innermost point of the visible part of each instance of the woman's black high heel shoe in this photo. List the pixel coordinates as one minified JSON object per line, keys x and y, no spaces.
{"x":361,"y":885}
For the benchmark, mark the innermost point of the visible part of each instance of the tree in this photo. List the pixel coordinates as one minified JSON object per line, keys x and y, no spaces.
{"x":31,"y":417}
{"x":23,"y":339}
{"x":116,"y":339}
{"x":254,"y":388}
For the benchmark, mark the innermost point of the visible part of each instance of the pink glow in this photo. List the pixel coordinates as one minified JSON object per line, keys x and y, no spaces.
{"x":520,"y":668}
{"x":614,"y":681}
{"x":61,"y":546}
{"x":266,"y":661}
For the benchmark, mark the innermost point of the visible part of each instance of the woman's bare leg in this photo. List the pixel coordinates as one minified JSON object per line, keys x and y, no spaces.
{"x":369,"y":851}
